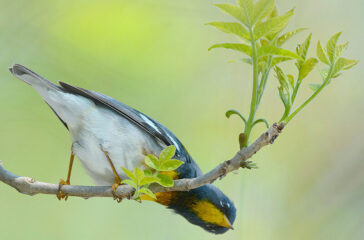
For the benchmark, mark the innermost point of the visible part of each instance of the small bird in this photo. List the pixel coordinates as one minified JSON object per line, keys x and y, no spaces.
{"x":107,"y":134}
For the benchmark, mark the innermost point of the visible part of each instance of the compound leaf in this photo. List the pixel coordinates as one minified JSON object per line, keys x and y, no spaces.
{"x":303,"y":48}
{"x":241,"y":47}
{"x":234,"y":11}
{"x":272,"y":25}
{"x":320,"y":52}
{"x":170,"y":165}
{"x":262,"y":9}
{"x":152,"y":161}
{"x":139,"y":174}
{"x":148,"y":180}
{"x":129,"y":174}
{"x":307,"y":67}
{"x":344,"y":64}
{"x":165,"y":180}
{"x":148,"y":192}
{"x":277,"y":60}
{"x":130,"y":182}
{"x":167,"y":153}
{"x":285,"y":37}
{"x":248,"y":10}
{"x":231,"y":28}
{"x":272,"y":50}
{"x":331,"y":46}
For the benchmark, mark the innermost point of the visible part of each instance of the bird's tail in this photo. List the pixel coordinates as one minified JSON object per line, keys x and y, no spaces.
{"x":33,"y":79}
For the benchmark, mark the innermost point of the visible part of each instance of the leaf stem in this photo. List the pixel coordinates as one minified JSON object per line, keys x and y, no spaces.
{"x":295,"y":90}
{"x":253,"y":105}
{"x":289,"y":118}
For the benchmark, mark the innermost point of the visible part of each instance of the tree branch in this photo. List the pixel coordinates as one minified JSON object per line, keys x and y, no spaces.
{"x":29,"y":186}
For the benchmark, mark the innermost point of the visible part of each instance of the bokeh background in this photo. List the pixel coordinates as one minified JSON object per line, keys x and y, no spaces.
{"x":152,"y":55}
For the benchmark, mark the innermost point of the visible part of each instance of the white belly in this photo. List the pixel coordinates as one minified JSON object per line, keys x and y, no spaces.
{"x":92,"y":125}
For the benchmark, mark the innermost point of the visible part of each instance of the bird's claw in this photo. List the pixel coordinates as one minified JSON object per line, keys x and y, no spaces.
{"x":117,"y":198}
{"x":116,"y":184}
{"x":60,"y":194}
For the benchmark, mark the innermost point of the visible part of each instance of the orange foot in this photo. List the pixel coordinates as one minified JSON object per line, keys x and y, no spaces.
{"x":116,"y":184}
{"x":60,"y":194}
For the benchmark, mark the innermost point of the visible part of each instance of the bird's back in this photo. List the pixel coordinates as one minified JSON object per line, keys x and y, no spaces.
{"x":95,"y":119}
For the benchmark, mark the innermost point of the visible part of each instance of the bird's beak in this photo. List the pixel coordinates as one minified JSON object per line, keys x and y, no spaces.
{"x":227,"y":223}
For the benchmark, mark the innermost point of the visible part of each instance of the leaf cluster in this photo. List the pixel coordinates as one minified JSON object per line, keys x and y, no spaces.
{"x":260,"y":32}
{"x":331,"y":57}
{"x":157,"y":172}
{"x":334,"y":65}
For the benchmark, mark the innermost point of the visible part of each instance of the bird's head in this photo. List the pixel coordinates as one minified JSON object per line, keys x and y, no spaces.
{"x":205,"y":206}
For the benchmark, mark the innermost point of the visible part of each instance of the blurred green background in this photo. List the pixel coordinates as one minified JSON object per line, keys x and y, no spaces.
{"x":152,"y":55}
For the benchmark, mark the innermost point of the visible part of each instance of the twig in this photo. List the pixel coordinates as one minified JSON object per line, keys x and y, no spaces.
{"x":29,"y":186}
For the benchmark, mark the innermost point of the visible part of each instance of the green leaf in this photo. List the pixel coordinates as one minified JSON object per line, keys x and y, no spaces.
{"x":284,"y":97}
{"x":248,"y":10}
{"x":314,"y":86}
{"x":290,"y":80}
{"x":264,"y":42}
{"x":331,"y":46}
{"x":277,"y":60}
{"x":307,"y":67}
{"x":272,"y":50}
{"x":232,"y":112}
{"x":303,"y":48}
{"x":148,"y":172}
{"x":152,"y":161}
{"x":148,"y":180}
{"x":341,"y":48}
{"x":262,"y":9}
{"x":167,"y":153}
{"x":272,"y":25}
{"x":139,"y":174}
{"x":285,"y":37}
{"x":344,"y":64}
{"x":170,"y":165}
{"x":165,"y":180}
{"x":130,"y":182}
{"x":274,"y":12}
{"x":282,"y":78}
{"x":241,"y":47}
{"x":231,"y":28}
{"x":320,"y":52}
{"x":148,"y":192}
{"x":261,"y":120}
{"x":129,"y":174}
{"x":234,"y":11}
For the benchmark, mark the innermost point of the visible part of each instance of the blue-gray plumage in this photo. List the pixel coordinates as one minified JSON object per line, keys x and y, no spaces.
{"x":103,"y":129}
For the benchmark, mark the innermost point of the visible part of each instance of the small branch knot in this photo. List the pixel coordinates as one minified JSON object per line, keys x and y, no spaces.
{"x":29,"y":180}
{"x":273,"y":138}
{"x":281,"y":126}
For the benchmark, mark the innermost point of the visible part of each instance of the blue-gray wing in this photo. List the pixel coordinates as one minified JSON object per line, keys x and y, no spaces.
{"x":146,"y":123}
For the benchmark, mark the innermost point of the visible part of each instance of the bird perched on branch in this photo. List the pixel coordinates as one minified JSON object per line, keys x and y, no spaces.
{"x":107,"y":135}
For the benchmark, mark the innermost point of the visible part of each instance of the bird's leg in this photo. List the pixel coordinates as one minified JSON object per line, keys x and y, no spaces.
{"x":117,"y":180}
{"x":62,"y":182}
